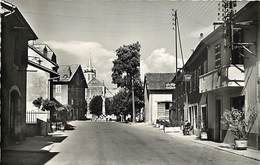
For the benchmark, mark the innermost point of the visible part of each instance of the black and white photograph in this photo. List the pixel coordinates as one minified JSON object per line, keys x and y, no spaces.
{"x":130,"y":82}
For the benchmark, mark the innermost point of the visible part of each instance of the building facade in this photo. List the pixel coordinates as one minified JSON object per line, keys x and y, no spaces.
{"x":191,"y":105}
{"x":15,"y":34}
{"x":232,"y":77}
{"x":221,"y":85}
{"x":40,"y":72}
{"x":247,"y":44}
{"x":69,"y":89}
{"x":158,"y":93}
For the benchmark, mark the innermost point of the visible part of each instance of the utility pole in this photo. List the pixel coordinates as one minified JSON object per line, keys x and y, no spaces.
{"x":177,"y":38}
{"x":174,"y":19}
{"x":176,"y":41}
{"x":176,"y":60}
{"x":133,"y":98}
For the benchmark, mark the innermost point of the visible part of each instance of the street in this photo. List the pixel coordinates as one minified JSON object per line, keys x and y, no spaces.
{"x":100,"y":143}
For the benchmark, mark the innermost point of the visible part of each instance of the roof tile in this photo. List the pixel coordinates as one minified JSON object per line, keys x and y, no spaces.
{"x":157,"y":81}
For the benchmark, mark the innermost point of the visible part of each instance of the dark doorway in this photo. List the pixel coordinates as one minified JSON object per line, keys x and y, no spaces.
{"x":14,"y":121}
{"x":218,"y":117}
{"x":237,"y":102}
{"x":204,"y":117}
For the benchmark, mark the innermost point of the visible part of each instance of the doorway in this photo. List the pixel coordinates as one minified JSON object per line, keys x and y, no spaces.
{"x":14,"y":116}
{"x":204,"y":121}
{"x":218,"y":119}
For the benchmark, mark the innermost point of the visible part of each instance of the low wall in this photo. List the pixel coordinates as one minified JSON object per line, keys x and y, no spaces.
{"x":40,"y":128}
{"x":32,"y":130}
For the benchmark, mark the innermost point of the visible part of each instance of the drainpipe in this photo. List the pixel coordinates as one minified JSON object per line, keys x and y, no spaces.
{"x":258,"y":78}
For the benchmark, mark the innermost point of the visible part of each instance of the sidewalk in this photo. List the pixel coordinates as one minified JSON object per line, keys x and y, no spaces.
{"x":249,"y":153}
{"x":37,"y":143}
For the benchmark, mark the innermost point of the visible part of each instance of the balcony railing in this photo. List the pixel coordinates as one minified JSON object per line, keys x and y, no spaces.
{"x":226,"y":76}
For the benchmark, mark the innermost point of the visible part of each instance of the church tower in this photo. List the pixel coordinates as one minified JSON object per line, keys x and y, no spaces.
{"x":90,"y":71}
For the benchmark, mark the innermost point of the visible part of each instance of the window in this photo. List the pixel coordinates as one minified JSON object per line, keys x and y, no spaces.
{"x":205,"y":68}
{"x":167,"y":105}
{"x":58,"y":89}
{"x":238,"y":52}
{"x":217,"y":56}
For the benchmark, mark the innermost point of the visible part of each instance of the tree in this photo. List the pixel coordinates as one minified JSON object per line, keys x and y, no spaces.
{"x":95,"y":106}
{"x":139,"y":96}
{"x":126,"y":69}
{"x":127,"y":65}
{"x":108,"y":106}
{"x":120,"y":103}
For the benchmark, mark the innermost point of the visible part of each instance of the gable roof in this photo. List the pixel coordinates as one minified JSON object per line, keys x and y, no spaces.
{"x":11,"y":9}
{"x":157,"y":81}
{"x":95,"y":82}
{"x":67,"y":72}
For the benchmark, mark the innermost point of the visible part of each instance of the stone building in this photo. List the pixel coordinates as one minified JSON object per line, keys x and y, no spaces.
{"x":15,"y":34}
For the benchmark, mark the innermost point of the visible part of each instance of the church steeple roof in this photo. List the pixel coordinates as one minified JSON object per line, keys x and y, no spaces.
{"x":90,"y":67}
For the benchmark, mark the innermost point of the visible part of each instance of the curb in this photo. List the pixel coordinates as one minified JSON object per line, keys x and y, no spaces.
{"x":227,"y":151}
{"x":222,"y":149}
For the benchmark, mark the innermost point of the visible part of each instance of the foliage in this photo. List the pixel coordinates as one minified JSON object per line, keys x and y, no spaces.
{"x":38,"y":102}
{"x":139,"y":95}
{"x":108,"y":106}
{"x":95,"y":106}
{"x":44,"y":104}
{"x":239,"y":123}
{"x":69,"y":108}
{"x":120,"y":103}
{"x":48,"y":105}
{"x":127,"y":65}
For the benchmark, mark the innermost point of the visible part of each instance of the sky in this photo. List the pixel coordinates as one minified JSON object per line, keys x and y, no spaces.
{"x":79,"y":29}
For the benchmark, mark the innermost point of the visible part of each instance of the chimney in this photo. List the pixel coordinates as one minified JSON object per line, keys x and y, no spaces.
{"x":201,"y":37}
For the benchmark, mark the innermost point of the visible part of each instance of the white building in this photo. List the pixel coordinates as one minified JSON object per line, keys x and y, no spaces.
{"x":157,"y":96}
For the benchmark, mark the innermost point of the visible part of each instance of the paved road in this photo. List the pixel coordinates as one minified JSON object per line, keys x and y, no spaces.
{"x":124,"y":144}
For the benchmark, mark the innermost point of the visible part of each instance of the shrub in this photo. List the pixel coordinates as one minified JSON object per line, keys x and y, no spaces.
{"x":238,"y":123}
